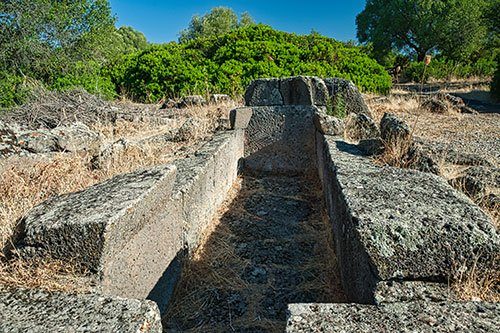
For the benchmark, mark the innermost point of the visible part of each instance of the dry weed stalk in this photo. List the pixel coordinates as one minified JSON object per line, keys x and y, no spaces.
{"x":50,"y":275}
{"x":478,"y":284}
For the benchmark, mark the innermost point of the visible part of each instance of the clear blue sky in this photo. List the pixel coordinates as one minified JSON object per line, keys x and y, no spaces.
{"x":161,"y":21}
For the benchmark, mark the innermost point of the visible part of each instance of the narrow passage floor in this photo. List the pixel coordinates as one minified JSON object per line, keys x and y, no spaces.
{"x":272,"y":246}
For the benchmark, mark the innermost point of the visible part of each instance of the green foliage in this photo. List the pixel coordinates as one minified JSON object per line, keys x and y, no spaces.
{"x":495,"y":84}
{"x":227,"y":64}
{"x":454,"y":28}
{"x":60,"y":44}
{"x":12,"y":90}
{"x":88,"y":76}
{"x":43,"y":38}
{"x":219,"y":21}
{"x":337,"y":106}
{"x":445,"y":70}
{"x":129,"y":40}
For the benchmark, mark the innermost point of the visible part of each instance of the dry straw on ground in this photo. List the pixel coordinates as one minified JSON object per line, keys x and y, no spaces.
{"x":27,"y":181}
{"x":463,"y":132}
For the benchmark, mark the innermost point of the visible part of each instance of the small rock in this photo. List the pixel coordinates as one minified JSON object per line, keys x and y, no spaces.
{"x":328,"y":125}
{"x":193,"y":100}
{"x":394,"y":129}
{"x":168,"y":104}
{"x":220,"y":98}
{"x":77,"y":137}
{"x":435,"y":105}
{"x":370,"y":147}
{"x":360,"y":126}
{"x":109,"y":153}
{"x":38,"y":142}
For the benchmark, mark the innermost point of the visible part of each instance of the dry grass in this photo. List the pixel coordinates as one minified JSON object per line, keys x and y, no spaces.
{"x":50,"y":275}
{"x":27,"y":181}
{"x":215,"y":266}
{"x":478,"y":284}
{"x":462,"y":132}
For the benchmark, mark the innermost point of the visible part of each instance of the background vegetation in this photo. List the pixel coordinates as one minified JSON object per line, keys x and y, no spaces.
{"x":62,"y":45}
{"x":462,"y":35}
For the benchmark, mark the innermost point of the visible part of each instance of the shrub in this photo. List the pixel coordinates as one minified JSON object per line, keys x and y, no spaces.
{"x":227,"y":64}
{"x":441,"y":69}
{"x":13,"y":91}
{"x":88,"y":76}
{"x":495,"y":85}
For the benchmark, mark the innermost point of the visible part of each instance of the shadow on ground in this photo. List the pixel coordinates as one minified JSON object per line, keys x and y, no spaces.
{"x":272,"y":247}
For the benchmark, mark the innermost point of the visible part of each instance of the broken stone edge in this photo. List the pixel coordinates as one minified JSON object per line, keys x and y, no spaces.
{"x":37,"y":311}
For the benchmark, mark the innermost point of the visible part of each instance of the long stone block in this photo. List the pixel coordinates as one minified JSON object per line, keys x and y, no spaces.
{"x":203,"y":181}
{"x":397,"y":224}
{"x":38,"y":311}
{"x":417,"y":317}
{"x":123,"y":230}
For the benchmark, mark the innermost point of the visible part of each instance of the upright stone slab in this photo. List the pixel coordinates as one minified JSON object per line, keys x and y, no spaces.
{"x":280,"y":139}
{"x":303,"y":90}
{"x":37,"y":311}
{"x":263,"y":92}
{"x":123,"y":230}
{"x":397,"y":224}
{"x":345,"y":94}
{"x":421,"y":317}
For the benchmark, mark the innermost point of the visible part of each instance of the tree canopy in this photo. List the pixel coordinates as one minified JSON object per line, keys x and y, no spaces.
{"x":42,"y":36}
{"x":453,"y":28}
{"x":218,"y":21}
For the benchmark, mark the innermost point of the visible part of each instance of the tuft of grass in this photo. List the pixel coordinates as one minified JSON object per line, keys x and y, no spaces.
{"x":476,"y":283}
{"x":50,"y":275}
{"x":28,"y":181}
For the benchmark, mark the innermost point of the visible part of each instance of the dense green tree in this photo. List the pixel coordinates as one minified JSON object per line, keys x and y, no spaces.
{"x":228,"y":63}
{"x":129,"y":40}
{"x":453,"y":28}
{"x":42,"y":38}
{"x":218,"y":21}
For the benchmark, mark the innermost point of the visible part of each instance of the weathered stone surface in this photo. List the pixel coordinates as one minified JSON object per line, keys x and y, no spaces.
{"x":344,"y":93}
{"x":240,"y":118}
{"x":38,"y":311}
{"x":72,"y":138}
{"x":37,"y":142}
{"x":91,"y":226}
{"x":280,"y":139}
{"x":395,"y":317}
{"x":189,"y":129}
{"x":328,"y":125}
{"x":392,"y":223}
{"x":76,"y":137}
{"x":360,"y":126}
{"x":370,"y":147}
{"x":304,"y":90}
{"x":413,"y":291}
{"x":8,"y":140}
{"x":264,"y":92}
{"x":476,"y":180}
{"x":109,"y":153}
{"x":189,"y":101}
{"x":203,"y":180}
{"x":394,"y":129}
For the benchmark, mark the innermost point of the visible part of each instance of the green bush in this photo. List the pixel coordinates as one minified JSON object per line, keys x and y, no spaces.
{"x":495,"y":85}
{"x":86,"y":75}
{"x":13,"y":91}
{"x":440,"y":69}
{"x":227,"y":64}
